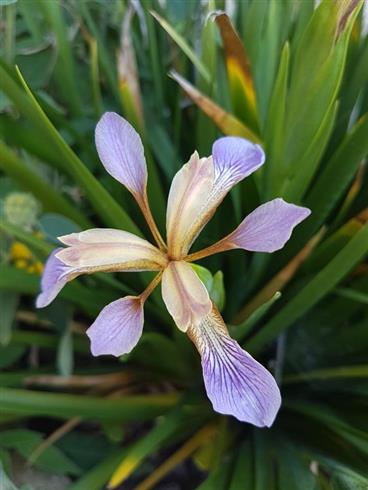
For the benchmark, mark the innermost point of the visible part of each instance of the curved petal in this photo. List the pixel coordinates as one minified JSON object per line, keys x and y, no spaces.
{"x":184,"y":294}
{"x":54,"y":277}
{"x":110,"y":250}
{"x":118,"y":327}
{"x":267,"y":228}
{"x":200,"y":186}
{"x":235,"y":382}
{"x":234,"y":159}
{"x":120,"y":149}
{"x":188,"y":195}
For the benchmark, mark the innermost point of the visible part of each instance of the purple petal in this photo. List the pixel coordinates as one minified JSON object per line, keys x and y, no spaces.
{"x":234,"y":159}
{"x":117,"y":328}
{"x":236,"y":383}
{"x":120,"y":149}
{"x":268,"y":227}
{"x":54,"y":278}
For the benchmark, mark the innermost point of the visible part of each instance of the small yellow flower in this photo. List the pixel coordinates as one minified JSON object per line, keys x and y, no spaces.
{"x":23,"y":258}
{"x":38,"y":267}
{"x":21,"y":264}
{"x":20,"y":251}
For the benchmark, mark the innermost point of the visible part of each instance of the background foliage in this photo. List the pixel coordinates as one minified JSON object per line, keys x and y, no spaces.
{"x":294,"y":78}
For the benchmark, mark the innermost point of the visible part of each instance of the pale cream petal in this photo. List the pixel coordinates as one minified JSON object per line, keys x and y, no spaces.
{"x":184,"y":294}
{"x":200,"y":186}
{"x":188,"y":196}
{"x":110,"y":250}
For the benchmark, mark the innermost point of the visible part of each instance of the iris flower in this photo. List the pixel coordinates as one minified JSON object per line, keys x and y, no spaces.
{"x":235,"y":382}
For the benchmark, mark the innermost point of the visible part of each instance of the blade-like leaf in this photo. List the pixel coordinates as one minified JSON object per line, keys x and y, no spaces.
{"x":321,"y":284}
{"x":239,"y":73}
{"x":226,"y":122}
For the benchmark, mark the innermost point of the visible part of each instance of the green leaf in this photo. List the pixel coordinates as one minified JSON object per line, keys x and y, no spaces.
{"x":348,"y":481}
{"x":352,"y":294}
{"x":263,"y":471}
{"x":5,"y":482}
{"x":359,"y":371}
{"x":8,"y":307}
{"x":99,"y":475}
{"x":10,"y":354}
{"x":243,"y":476}
{"x":239,"y":332}
{"x":52,"y":459}
{"x":293,"y":468}
{"x":335,"y":177}
{"x":183,"y":45}
{"x":226,"y":122}
{"x":274,"y":170}
{"x":18,"y":280}
{"x":104,"y":204}
{"x":66,"y":70}
{"x":126,"y":409}
{"x":34,"y":242}
{"x":65,"y":353}
{"x":219,"y":478}
{"x":148,"y":353}
{"x":51,"y":200}
{"x":174,"y":422}
{"x":321,"y":284}
{"x":214,"y":284}
{"x":54,"y":225}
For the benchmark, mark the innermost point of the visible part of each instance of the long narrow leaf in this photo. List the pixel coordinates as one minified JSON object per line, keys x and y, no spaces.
{"x":30,"y":180}
{"x":226,"y":122}
{"x":316,"y":289}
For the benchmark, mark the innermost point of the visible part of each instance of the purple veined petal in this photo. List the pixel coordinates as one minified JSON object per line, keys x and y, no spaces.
{"x":54,"y":278}
{"x":118,"y":328}
{"x":108,"y":249}
{"x":184,"y":294}
{"x":234,"y":159}
{"x":235,"y":382}
{"x":120,"y":149}
{"x":267,"y":228}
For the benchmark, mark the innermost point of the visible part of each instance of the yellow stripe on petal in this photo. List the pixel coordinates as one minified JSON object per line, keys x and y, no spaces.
{"x":109,"y":249}
{"x":185,"y":295}
{"x":188,"y":195}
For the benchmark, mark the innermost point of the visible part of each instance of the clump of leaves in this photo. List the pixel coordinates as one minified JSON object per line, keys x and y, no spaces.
{"x":286,"y":75}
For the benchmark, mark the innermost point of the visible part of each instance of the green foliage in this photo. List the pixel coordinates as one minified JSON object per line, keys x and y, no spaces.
{"x":305,"y":98}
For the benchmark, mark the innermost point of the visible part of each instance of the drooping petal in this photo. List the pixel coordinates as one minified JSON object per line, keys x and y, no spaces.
{"x":110,"y":250}
{"x":235,"y":382}
{"x":118,"y":327}
{"x":185,"y":295}
{"x":267,"y":228}
{"x":234,"y":159}
{"x":200,"y":186}
{"x":120,"y":149}
{"x":55,"y":275}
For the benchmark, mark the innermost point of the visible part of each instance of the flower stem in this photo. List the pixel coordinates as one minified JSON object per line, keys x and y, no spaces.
{"x":151,"y":286}
{"x":206,"y":252}
{"x":146,"y":210}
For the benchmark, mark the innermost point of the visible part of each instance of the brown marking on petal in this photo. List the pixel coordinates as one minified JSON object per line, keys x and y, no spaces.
{"x":200,"y":334}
